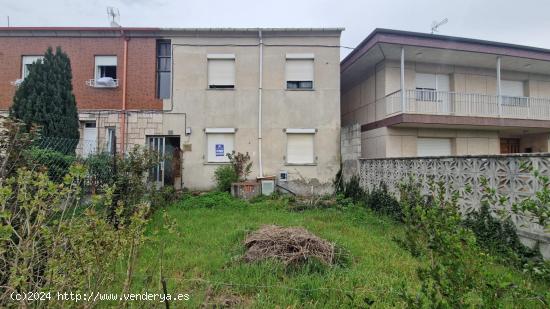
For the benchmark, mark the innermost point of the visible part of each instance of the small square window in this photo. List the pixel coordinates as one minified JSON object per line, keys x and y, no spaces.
{"x":105,"y":71}
{"x":220,"y":142}
{"x":27,"y":61}
{"x":299,"y":72}
{"x":221,"y":71}
{"x":300,"y":148}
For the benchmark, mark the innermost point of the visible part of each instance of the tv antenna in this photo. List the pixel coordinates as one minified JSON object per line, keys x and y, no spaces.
{"x":436,"y":25}
{"x":114,"y":16}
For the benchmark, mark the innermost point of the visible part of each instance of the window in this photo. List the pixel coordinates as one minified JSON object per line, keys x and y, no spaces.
{"x":164,"y":68}
{"x":300,"y":148}
{"x":221,"y":71}
{"x":111,"y":140}
{"x":299,"y":71}
{"x":512,"y":92}
{"x":105,"y":66}
{"x":27,"y":61}
{"x":429,"y":147}
{"x":220,"y":142}
{"x":427,"y":86}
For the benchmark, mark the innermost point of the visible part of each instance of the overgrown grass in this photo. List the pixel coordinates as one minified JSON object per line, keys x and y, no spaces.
{"x":202,"y":258}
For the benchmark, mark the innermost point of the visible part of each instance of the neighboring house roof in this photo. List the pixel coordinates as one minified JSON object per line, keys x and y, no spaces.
{"x":408,"y":38}
{"x":136,"y":31}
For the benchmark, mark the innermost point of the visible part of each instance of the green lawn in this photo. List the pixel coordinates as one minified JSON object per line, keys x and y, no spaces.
{"x":203,"y":257}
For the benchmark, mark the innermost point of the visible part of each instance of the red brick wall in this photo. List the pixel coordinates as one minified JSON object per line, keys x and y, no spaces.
{"x":141,"y":86}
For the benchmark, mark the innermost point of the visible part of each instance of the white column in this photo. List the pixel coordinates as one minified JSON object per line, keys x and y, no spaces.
{"x":499,"y":89}
{"x":402,"y":79}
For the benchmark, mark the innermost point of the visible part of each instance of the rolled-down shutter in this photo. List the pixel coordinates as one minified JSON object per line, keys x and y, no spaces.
{"x":300,"y":148}
{"x":427,"y":147}
{"x":219,"y":145}
{"x":221,"y":72}
{"x":299,"y":70}
{"x":105,"y":61}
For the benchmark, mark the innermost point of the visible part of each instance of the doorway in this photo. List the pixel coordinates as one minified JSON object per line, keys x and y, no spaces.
{"x":168,"y":171}
{"x":509,"y":145}
{"x":89,"y":138}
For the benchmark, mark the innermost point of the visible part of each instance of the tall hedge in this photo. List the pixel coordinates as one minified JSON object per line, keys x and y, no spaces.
{"x":45,"y":97}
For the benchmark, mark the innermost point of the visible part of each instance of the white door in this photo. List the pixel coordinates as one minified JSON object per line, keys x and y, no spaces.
{"x":89,"y":141}
{"x":432,"y":147}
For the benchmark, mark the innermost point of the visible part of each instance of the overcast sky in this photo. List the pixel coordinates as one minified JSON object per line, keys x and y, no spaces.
{"x":524,"y":22}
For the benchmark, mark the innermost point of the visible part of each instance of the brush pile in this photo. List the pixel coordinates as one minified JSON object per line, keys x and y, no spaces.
{"x":291,"y":245}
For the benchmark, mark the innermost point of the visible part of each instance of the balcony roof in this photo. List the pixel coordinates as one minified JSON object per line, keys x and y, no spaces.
{"x":386,"y":44}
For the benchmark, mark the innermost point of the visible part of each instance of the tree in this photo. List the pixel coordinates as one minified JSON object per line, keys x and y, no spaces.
{"x":45,"y":98}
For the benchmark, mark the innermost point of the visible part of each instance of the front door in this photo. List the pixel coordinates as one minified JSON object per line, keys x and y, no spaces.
{"x":509,"y":145}
{"x":89,"y":140}
{"x":168,"y":169}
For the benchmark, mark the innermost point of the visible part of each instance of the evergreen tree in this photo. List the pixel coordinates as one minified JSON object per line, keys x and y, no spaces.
{"x":45,"y":98}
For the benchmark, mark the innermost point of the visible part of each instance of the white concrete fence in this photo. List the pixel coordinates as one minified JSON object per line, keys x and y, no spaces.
{"x":510,"y":175}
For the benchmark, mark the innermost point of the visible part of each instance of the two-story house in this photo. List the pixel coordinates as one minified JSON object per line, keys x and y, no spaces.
{"x":416,"y":94}
{"x":195,"y":95}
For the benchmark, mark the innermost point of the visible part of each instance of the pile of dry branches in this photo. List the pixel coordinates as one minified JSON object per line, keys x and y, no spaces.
{"x":291,"y":245}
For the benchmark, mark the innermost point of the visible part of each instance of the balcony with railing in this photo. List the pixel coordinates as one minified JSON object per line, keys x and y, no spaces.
{"x":465,"y":104}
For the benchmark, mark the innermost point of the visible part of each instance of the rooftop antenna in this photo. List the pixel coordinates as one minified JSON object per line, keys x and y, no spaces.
{"x":436,"y":25}
{"x":114,"y":16}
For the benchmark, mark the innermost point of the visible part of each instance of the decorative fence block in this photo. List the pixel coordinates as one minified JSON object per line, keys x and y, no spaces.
{"x":510,"y":174}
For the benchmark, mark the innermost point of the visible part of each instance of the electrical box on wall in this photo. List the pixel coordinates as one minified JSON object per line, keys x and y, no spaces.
{"x":268,"y":186}
{"x":283,"y":176}
{"x":188,"y":131}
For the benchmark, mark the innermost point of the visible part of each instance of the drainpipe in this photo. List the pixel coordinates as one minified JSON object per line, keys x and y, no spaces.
{"x":499,"y":89}
{"x":403,"y":79}
{"x":123,"y":114}
{"x":260,"y":85}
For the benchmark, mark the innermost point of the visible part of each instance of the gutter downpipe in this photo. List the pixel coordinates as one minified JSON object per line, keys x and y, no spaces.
{"x":402,"y":79}
{"x":260,"y":86}
{"x":123,"y":114}
{"x":499,"y":88}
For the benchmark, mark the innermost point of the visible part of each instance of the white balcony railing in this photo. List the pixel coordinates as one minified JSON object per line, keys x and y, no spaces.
{"x":466,"y":104}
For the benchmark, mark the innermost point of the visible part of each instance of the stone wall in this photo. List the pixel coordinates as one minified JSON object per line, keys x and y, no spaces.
{"x":510,"y":175}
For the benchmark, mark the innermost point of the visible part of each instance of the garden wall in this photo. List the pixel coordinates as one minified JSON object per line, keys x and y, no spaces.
{"x":509,"y":174}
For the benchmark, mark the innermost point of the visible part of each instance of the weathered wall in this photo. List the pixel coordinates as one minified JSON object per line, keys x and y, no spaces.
{"x":505,"y":173}
{"x":350,"y":148}
{"x":238,"y":108}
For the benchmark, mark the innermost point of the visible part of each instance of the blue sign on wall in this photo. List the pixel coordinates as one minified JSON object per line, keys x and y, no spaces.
{"x":219,"y":150}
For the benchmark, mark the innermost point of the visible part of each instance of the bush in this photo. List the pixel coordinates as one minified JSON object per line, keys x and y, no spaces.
{"x":380,"y":200}
{"x":100,"y":169}
{"x":56,"y":163}
{"x":224,"y":176}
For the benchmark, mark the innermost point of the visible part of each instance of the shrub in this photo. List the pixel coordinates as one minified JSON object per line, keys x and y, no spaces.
{"x":56,"y":163}
{"x":224,"y":176}
{"x":380,"y":200}
{"x":241,"y":164}
{"x":100,"y":169}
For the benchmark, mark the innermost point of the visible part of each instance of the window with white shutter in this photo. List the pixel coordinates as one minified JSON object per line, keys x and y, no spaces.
{"x":300,"y":147}
{"x":220,"y":142}
{"x":221,"y":71}
{"x":299,"y":71}
{"x":512,"y":92}
{"x":428,"y":147}
{"x":105,"y":67}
